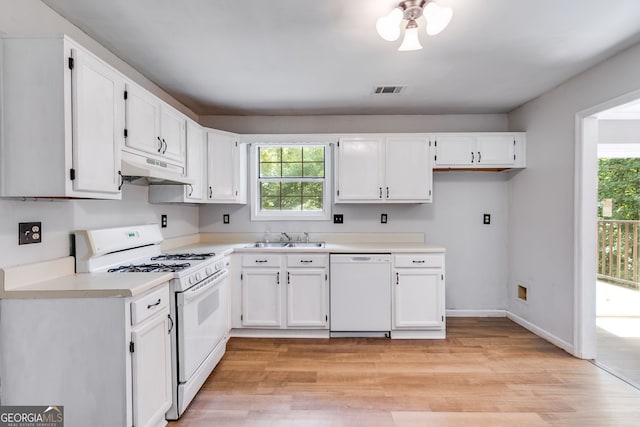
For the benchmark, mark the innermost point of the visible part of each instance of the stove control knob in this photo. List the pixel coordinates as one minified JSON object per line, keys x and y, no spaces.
{"x":192,"y":280}
{"x":198,"y":276}
{"x":209,"y":271}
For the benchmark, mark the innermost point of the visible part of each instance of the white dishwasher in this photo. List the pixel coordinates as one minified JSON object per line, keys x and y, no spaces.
{"x":360,"y":294}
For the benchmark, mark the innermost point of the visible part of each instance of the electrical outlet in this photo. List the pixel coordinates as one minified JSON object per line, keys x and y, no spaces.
{"x":29,"y":232}
{"x":486,"y":219}
{"x":163,"y":221}
{"x":225,"y":219}
{"x":383,"y":218}
{"x":338,"y":219}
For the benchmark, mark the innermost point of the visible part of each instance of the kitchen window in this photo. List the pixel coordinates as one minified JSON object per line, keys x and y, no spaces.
{"x":290,"y":181}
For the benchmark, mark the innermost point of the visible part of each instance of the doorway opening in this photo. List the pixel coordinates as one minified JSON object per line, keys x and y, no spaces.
{"x":618,"y":242}
{"x":608,"y":230}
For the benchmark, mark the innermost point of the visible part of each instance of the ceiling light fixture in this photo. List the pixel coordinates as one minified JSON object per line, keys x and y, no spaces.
{"x":437,"y":18}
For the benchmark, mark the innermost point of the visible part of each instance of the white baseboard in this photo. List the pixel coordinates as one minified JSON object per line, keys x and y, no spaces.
{"x":476,"y":313}
{"x":558,"y":342}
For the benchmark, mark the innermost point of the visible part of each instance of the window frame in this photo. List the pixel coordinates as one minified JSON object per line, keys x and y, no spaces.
{"x":258,"y":215}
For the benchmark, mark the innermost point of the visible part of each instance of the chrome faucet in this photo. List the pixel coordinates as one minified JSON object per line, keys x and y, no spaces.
{"x":306,"y":237}
{"x":284,"y":235}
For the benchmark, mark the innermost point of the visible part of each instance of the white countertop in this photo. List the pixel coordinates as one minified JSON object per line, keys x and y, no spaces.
{"x":26,"y":281}
{"x":386,"y":247}
{"x":60,"y":281}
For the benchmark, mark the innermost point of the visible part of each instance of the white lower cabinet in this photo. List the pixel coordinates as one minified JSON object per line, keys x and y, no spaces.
{"x":307,"y":291}
{"x":113,"y":356}
{"x":418,"y":295}
{"x":280,"y":291}
{"x":150,"y":350}
{"x":261,"y":297}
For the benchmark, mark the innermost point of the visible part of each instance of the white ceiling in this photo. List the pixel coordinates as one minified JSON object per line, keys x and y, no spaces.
{"x":301,"y":57}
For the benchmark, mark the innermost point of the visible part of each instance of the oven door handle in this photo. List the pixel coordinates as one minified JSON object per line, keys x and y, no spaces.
{"x":196,"y":291}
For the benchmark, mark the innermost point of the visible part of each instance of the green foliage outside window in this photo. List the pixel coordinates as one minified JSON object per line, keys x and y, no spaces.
{"x":619,"y":180}
{"x":291,"y":178}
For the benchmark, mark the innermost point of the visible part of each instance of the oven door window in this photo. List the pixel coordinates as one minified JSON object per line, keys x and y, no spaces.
{"x":202,"y":324}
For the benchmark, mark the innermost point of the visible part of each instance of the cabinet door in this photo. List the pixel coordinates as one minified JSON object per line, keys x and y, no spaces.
{"x":408,"y":169}
{"x":455,"y":150}
{"x":151,"y":371}
{"x":360,"y":170}
{"x":143,"y":121}
{"x":98,"y":124}
{"x":172,"y":134}
{"x":418,"y":299}
{"x":195,"y":162}
{"x":499,"y":150}
{"x":307,"y":297}
{"x":261,"y":297}
{"x":224,"y":168}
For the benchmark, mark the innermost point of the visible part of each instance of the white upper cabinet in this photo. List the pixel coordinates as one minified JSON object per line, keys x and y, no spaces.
{"x":196,"y":172}
{"x":360,"y":169}
{"x":501,"y":150}
{"x":383,"y":169}
{"x":196,"y":162}
{"x":153,"y":127}
{"x":226,"y":168}
{"x":408,"y":169}
{"x":63,"y":121}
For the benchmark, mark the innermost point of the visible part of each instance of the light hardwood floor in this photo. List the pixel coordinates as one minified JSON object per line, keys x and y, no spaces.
{"x":488,"y":372}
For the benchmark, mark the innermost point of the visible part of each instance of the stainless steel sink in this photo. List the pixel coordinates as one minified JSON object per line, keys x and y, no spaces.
{"x":286,"y":245}
{"x":306,"y":244}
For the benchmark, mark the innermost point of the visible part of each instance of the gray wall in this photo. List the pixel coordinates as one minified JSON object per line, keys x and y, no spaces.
{"x":541,"y":198}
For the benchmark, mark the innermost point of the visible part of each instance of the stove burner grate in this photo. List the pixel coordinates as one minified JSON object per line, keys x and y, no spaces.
{"x":149,"y":268}
{"x":186,"y":256}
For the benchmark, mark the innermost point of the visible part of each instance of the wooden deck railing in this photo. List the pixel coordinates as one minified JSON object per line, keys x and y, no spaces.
{"x":618,"y":252}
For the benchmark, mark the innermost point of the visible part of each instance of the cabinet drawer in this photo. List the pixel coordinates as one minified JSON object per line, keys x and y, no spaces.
{"x":307,"y":260}
{"x":261,"y":260}
{"x":419,"y":260}
{"x":147,"y":305}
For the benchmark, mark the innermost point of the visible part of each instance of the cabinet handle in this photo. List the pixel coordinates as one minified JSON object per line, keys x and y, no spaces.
{"x":415,"y":261}
{"x":397,"y":278}
{"x":306,"y":261}
{"x":210,"y":192}
{"x":387,"y":192}
{"x":121,"y":180}
{"x":153,"y":305}
{"x":190,"y":189}
{"x":472,"y":157}
{"x":479,"y":157}
{"x":260,"y":261}
{"x":278,"y":278}
{"x":171,"y":326}
{"x":159,"y":145}
{"x":381,"y":192}
{"x":288,"y":278}
{"x":165,"y":146}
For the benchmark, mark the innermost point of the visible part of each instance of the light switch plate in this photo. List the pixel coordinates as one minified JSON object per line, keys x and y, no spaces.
{"x":225,"y":219}
{"x":486,"y":219}
{"x":383,"y":218}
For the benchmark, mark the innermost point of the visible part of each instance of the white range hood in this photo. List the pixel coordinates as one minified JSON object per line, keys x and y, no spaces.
{"x":141,"y":170}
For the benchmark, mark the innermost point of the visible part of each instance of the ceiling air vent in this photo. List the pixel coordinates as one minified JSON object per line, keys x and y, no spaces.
{"x":392,"y":90}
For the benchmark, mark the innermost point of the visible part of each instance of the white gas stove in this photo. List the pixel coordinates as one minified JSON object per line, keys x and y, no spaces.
{"x":199,"y":296}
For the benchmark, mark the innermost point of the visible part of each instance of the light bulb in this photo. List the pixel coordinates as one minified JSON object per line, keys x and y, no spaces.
{"x":411,"y":41}
{"x":437,"y":18}
{"x":389,"y":26}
